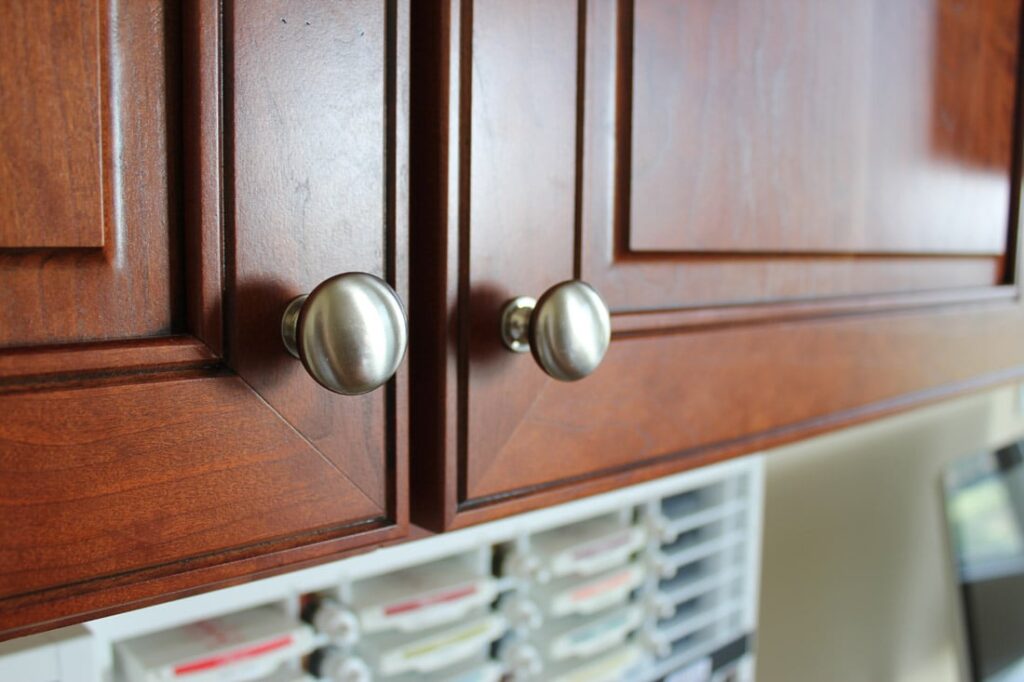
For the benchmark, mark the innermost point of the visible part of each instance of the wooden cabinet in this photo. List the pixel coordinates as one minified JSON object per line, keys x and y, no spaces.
{"x":800,"y":214}
{"x":172,"y":178}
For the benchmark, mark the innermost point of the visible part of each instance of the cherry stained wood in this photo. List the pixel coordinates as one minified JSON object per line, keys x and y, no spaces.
{"x":809,"y":126}
{"x":671,"y":395}
{"x":523,"y":167}
{"x":713,"y":355}
{"x":50,"y":139}
{"x":160,"y":584}
{"x":202,"y":155}
{"x":23,"y":366}
{"x":315,"y":183}
{"x":106,"y":597}
{"x":156,"y":466}
{"x":656,"y":322}
{"x":131,"y":287}
{"x":98,"y":491}
{"x":309,"y":201}
{"x":652,"y":280}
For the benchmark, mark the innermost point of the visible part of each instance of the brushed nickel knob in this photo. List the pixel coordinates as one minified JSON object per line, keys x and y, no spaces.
{"x":567,"y":331}
{"x":350,"y":332}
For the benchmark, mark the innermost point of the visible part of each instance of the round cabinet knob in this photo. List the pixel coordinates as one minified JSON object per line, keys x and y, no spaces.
{"x":350,"y":332}
{"x":568,"y":330}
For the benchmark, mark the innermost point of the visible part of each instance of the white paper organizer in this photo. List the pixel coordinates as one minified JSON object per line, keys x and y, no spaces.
{"x":585,"y":638}
{"x":432,"y":650}
{"x":422,"y":596}
{"x":252,"y":644}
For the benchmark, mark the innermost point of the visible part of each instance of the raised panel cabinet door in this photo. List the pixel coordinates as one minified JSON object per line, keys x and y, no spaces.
{"x":800,"y":150}
{"x":799,"y":214}
{"x":50,"y":66}
{"x":174,"y":176}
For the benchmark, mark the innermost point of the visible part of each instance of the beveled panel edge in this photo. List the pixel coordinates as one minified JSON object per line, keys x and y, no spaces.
{"x":481,"y":510}
{"x":25,"y":615}
{"x":79,"y":600}
{"x":667,"y":321}
{"x":604,"y":196}
{"x":202,"y":129}
{"x":397,"y":432}
{"x":216,"y":278}
{"x":75,"y":362}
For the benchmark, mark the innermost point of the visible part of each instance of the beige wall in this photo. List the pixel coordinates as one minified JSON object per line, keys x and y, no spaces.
{"x":856,"y":582}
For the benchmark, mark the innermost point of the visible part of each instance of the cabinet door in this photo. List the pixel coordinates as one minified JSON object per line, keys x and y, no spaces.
{"x":172,"y":179}
{"x":801,"y":214}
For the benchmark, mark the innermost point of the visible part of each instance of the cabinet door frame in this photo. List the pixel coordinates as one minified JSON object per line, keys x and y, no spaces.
{"x":956,"y":340}
{"x":667,"y":289}
{"x":196,"y":363}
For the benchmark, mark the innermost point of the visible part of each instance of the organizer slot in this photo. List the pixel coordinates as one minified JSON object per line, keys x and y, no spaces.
{"x":688,"y":573}
{"x":679,"y":591}
{"x":422,"y":596}
{"x":693,"y":620}
{"x":399,"y":653}
{"x":588,"y":547}
{"x":730,"y":511}
{"x":672,"y":558}
{"x":689,"y":502}
{"x":481,"y":669}
{"x":287,"y":675}
{"x":684,"y":611}
{"x":695,"y":536}
{"x":580,"y":637}
{"x":620,"y":664}
{"x":568,"y":597}
{"x":245,"y":645}
{"x":690,"y":646}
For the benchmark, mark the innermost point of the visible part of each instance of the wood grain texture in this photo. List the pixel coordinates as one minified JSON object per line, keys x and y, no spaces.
{"x":661,"y":322}
{"x":816,"y":126}
{"x":117,"y":357}
{"x":398,"y":417}
{"x":132,"y":286}
{"x":202,"y":156}
{"x":888,"y":179}
{"x":38,"y":612}
{"x":481,"y":511}
{"x":108,"y":494}
{"x":520,"y":199}
{"x":668,"y":395}
{"x":808,"y":342}
{"x":309,"y":200}
{"x":151,"y":470}
{"x":50,"y":127}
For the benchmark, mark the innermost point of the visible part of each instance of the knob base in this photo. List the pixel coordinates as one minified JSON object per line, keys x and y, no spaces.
{"x":515,"y":323}
{"x":290,"y":324}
